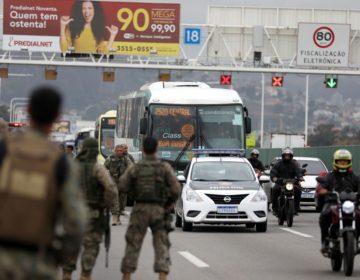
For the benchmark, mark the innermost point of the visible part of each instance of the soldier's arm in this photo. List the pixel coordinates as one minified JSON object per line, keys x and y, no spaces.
{"x":107,"y":163}
{"x":110,"y":190}
{"x":131,"y":158}
{"x":73,"y":214}
{"x":125,"y":181}
{"x":173,"y":182}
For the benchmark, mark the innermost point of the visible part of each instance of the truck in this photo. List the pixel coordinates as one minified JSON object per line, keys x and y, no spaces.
{"x":282,"y":140}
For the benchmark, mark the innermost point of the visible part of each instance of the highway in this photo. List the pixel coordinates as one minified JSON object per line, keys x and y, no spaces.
{"x":228,"y":252}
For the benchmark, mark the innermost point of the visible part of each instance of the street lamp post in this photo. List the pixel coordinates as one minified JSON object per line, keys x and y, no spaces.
{"x":262,"y":110}
{"x":306,"y":109}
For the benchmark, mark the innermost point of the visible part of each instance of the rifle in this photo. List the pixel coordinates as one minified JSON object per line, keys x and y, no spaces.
{"x":107,"y":236}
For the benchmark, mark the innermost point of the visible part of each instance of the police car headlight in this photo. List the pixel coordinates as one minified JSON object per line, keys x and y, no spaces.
{"x":260,"y":196}
{"x":289,"y":186}
{"x":348,"y":207}
{"x":192,"y":196}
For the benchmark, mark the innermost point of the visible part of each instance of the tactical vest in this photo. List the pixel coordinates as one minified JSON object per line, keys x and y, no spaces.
{"x":91,"y":187}
{"x":28,"y":191}
{"x":150,"y":185}
{"x":117,"y":167}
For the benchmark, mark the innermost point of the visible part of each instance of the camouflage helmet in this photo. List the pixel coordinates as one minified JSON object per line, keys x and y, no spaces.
{"x":341,"y":155}
{"x":89,"y":150}
{"x":89,"y":143}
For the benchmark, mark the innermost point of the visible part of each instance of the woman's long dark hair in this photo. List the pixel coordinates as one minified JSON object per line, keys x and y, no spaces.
{"x":97,"y":24}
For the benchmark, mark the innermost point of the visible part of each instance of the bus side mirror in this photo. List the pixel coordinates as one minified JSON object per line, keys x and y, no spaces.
{"x":96,"y":134}
{"x":248,"y":125}
{"x":143,"y":126}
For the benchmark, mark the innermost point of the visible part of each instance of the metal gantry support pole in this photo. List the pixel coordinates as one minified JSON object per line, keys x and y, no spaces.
{"x":306,"y":109}
{"x":262,"y":110}
{"x":12,"y":101}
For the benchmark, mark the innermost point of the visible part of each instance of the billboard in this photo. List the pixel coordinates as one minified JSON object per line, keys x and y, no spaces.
{"x":325,"y":45}
{"x":92,"y":27}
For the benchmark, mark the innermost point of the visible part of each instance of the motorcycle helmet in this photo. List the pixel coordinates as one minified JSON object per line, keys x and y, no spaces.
{"x":255,"y":152}
{"x":287,"y":151}
{"x":342,"y":155}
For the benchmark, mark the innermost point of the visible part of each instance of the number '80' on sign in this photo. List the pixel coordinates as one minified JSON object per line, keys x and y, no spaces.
{"x":323,"y":37}
{"x":192,"y":35}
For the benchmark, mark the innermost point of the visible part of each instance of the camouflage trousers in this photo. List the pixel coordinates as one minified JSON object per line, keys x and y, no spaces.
{"x":119,"y":203}
{"x":90,"y":245}
{"x":24,"y":265}
{"x":144,"y":216}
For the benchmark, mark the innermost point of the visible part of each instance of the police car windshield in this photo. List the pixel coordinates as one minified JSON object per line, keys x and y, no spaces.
{"x":222,"y":171}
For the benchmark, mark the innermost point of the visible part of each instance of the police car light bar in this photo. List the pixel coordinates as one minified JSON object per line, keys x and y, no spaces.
{"x":219,"y":152}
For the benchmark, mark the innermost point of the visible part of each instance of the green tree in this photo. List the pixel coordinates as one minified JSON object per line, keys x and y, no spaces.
{"x":324,"y":135}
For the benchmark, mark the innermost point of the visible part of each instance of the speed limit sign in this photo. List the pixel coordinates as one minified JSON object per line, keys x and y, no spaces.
{"x":324,"y":37}
{"x":323,"y":45}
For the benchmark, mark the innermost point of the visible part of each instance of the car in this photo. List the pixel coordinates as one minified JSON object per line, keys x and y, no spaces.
{"x":314,"y":168}
{"x":221,"y":189}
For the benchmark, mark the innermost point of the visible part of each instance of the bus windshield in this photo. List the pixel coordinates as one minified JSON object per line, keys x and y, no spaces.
{"x":215,"y":126}
{"x":107,"y":135}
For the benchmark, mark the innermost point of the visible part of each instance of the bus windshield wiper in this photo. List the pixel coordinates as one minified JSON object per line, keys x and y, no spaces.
{"x":176,"y":162}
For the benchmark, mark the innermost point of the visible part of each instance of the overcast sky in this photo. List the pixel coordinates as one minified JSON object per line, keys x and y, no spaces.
{"x":195,"y":11}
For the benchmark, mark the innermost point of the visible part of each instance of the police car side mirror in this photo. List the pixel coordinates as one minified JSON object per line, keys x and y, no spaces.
{"x":143,"y":126}
{"x":181,"y":179}
{"x":264,"y":179}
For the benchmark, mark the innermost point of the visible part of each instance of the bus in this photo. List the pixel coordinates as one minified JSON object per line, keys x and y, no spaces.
{"x":182,"y":116}
{"x":105,"y":133}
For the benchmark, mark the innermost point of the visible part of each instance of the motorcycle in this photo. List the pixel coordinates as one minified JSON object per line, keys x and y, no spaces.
{"x":286,"y":201}
{"x":343,"y":241}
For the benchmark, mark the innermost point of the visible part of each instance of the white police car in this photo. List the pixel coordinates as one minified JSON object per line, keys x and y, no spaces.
{"x":220,"y":188}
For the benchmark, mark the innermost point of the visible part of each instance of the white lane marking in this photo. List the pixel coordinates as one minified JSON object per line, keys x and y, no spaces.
{"x":194,"y":260}
{"x":297,"y":233}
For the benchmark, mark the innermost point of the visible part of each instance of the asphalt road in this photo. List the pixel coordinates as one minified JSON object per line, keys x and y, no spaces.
{"x":228,"y":252}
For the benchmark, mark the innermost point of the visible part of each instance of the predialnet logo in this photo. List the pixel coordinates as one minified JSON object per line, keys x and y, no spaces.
{"x":29,"y":43}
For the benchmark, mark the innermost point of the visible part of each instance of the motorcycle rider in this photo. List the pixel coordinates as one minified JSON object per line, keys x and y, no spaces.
{"x":254,"y":160}
{"x":341,"y":178}
{"x":285,"y":168}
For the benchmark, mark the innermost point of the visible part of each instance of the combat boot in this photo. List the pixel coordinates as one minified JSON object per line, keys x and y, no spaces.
{"x":115,"y":220}
{"x":126,"y":276}
{"x":66,"y":275}
{"x":162,"y":276}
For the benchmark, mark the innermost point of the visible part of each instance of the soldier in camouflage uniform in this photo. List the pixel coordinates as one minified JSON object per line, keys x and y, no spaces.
{"x":36,"y":181}
{"x":99,"y":190}
{"x":117,"y":163}
{"x":130,"y":157}
{"x":154,"y":188}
